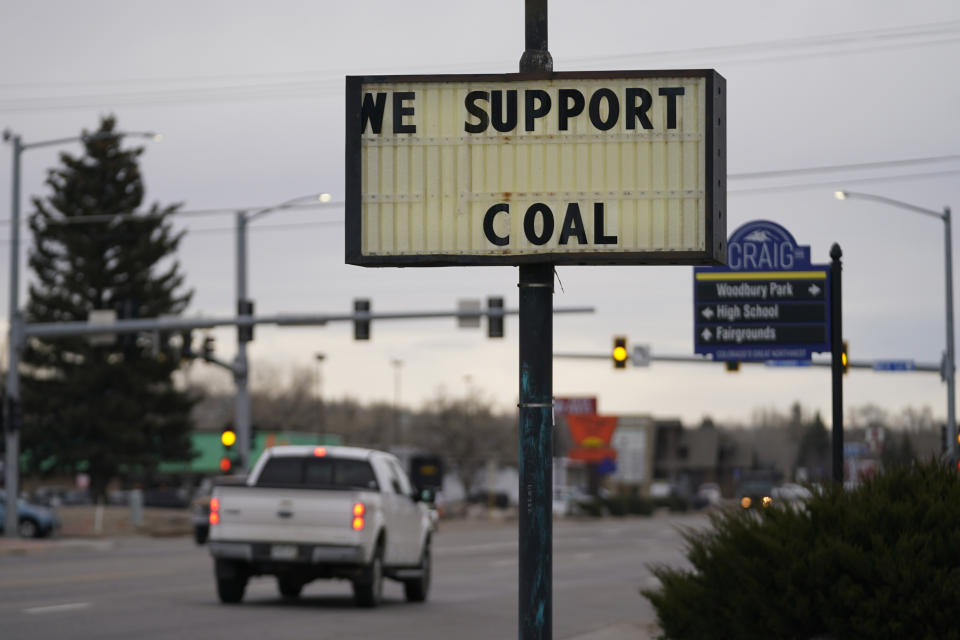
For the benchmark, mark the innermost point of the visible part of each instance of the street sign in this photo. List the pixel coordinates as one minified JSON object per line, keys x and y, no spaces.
{"x":640,"y":357}
{"x":894,"y":365}
{"x":609,"y":167}
{"x":769,"y":303}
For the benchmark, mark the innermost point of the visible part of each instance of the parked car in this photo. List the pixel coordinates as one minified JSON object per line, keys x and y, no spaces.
{"x":709,"y":494}
{"x":33,"y":520}
{"x":754,"y":494}
{"x":790,"y":492}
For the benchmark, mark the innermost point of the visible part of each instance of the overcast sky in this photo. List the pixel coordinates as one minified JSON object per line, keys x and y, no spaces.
{"x":250,"y":99}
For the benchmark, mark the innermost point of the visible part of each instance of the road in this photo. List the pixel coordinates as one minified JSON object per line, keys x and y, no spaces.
{"x":163,"y":588}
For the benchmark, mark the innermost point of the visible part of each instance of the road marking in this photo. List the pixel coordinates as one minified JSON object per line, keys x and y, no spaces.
{"x":57,"y":608}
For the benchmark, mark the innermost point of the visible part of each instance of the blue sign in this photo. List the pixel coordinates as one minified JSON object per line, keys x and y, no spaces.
{"x":787,"y":363}
{"x":894,"y":365}
{"x":769,"y":303}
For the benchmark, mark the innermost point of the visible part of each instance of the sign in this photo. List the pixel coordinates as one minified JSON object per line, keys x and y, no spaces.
{"x":769,"y":303}
{"x":592,"y":434}
{"x":894,"y":365}
{"x":640,"y":356}
{"x":574,"y":405}
{"x":610,"y":167}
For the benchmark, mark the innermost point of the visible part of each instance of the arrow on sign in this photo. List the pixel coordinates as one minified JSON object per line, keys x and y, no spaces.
{"x":707,"y":313}
{"x":706,"y":335}
{"x":814,"y":290}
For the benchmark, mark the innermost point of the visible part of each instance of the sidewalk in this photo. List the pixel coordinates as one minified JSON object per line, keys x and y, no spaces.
{"x":24,"y":546}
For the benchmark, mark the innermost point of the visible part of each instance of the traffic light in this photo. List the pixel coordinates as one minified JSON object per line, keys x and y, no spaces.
{"x":619,"y":352}
{"x":732,"y":365}
{"x":495,"y":319}
{"x":245,"y":332}
{"x":228,"y":438}
{"x":844,"y":360}
{"x":361,"y":328}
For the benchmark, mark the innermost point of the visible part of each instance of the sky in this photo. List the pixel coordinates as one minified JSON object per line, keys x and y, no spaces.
{"x":249,"y":97}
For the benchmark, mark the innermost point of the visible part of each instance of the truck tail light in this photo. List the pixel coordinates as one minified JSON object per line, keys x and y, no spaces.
{"x":214,"y":511}
{"x":358,"y":510}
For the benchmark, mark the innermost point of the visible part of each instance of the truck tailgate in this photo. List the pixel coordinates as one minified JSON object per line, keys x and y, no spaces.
{"x":282,"y":515}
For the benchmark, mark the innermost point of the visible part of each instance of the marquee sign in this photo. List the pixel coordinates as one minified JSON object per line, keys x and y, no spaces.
{"x":620,"y":167}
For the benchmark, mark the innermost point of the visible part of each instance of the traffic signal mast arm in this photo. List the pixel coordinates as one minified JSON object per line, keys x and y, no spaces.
{"x":62,"y":329}
{"x":853,"y":364}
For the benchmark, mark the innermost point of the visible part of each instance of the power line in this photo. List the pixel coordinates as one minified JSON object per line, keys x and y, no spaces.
{"x":857,"y":166}
{"x":314,"y":86}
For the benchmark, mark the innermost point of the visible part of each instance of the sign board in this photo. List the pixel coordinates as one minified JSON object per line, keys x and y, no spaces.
{"x":574,"y":405}
{"x":610,"y":167}
{"x":640,"y":356}
{"x":769,"y":303}
{"x":471,"y":305}
{"x":894,"y":365}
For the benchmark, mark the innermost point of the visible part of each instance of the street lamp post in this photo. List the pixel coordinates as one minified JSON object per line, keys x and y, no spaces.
{"x":241,"y":367}
{"x":949,"y":360}
{"x":397,"y":363}
{"x":321,"y":418}
{"x":11,"y":406}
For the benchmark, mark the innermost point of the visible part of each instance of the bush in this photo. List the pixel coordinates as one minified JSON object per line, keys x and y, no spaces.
{"x":879,"y":561}
{"x":591,"y":507}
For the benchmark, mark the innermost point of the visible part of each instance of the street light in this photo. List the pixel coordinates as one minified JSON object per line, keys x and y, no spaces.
{"x":320,"y":357}
{"x":11,"y":406}
{"x":949,"y":361}
{"x":397,"y":363}
{"x":241,"y":367}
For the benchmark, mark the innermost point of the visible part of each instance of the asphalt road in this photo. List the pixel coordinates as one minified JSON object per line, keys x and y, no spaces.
{"x":163,"y":588}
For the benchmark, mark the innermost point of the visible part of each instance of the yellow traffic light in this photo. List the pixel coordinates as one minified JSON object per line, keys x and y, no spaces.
{"x":733,"y":365}
{"x":228,"y":437}
{"x":619,"y":352}
{"x":844,"y":360}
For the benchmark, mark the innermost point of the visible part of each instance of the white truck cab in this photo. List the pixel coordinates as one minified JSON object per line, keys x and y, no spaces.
{"x":310,"y":512}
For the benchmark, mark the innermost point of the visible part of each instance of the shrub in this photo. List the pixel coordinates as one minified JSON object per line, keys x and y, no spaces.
{"x":879,"y":561}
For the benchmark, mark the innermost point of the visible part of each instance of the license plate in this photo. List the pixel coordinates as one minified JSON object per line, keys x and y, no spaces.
{"x":283,"y":551}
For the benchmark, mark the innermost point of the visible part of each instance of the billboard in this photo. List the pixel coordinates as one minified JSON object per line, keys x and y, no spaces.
{"x":619,"y":167}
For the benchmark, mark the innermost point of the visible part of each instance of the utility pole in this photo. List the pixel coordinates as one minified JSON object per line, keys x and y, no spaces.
{"x":241,"y":368}
{"x":11,"y":405}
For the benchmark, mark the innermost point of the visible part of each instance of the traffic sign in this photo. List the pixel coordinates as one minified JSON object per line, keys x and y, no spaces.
{"x":769,"y":304}
{"x":894,"y":365}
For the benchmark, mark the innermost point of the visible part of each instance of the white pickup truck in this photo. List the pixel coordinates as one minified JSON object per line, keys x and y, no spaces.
{"x":322,"y":512}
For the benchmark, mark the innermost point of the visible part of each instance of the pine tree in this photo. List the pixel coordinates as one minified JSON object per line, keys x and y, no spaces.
{"x":102,"y":409}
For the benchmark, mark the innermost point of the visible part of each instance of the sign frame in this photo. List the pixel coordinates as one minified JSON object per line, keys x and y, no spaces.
{"x":715,"y":188}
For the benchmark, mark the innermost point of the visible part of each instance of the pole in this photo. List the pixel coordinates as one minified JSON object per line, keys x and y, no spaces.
{"x":397,"y":363}
{"x":536,"y":400}
{"x":951,"y":368}
{"x":536,"y":451}
{"x":10,"y":406}
{"x":242,"y":366}
{"x":836,"y":355}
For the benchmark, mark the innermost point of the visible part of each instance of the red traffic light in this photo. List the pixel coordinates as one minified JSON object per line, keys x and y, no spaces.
{"x":225,"y":464}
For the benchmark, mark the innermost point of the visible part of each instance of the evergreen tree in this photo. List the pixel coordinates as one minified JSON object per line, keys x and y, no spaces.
{"x":102,"y":409}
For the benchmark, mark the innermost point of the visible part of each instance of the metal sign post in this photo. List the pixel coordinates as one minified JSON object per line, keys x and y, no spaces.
{"x":836,"y":364}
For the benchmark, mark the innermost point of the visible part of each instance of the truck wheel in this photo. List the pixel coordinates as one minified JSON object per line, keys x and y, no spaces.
{"x":231,"y":581}
{"x":289,"y":588}
{"x":416,"y":590}
{"x":368,"y":589}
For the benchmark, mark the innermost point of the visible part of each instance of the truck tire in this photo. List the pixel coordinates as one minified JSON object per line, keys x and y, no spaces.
{"x":288,"y":587}
{"x":416,"y":590}
{"x":368,"y":588}
{"x":231,"y":581}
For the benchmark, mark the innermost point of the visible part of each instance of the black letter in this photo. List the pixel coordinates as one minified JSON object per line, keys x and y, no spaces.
{"x":568,"y":110}
{"x":488,"y":224}
{"x":528,"y":223}
{"x":533,"y":113}
{"x":613,"y":109}
{"x":573,"y":225}
{"x":372,"y":112}
{"x":399,"y":111}
{"x":671,"y":93}
{"x":598,"y":237}
{"x":510,"y":123}
{"x":476,"y":111}
{"x":635,"y":112}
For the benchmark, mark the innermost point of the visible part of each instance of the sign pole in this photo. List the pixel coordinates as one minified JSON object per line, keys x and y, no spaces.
{"x":535,"y":521}
{"x":836,"y":363}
